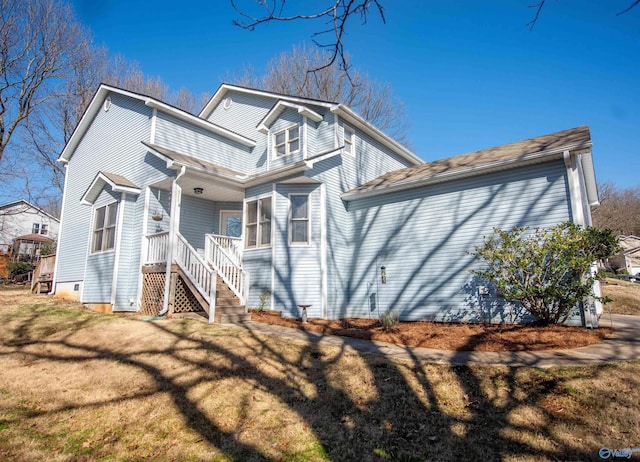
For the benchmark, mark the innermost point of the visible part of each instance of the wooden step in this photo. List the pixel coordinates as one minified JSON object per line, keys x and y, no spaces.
{"x":230,"y":309}
{"x":234,"y":301}
{"x":233,"y":318}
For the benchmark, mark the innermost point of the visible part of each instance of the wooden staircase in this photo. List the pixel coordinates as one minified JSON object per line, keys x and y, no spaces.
{"x":228,"y":307}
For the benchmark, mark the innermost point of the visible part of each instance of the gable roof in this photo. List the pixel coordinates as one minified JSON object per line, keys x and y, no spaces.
{"x":341,"y":110}
{"x":272,"y":115}
{"x":118,"y":183}
{"x":28,"y":204}
{"x":225,"y":87}
{"x":533,"y":150}
{"x":99,"y":98}
{"x":172,"y":158}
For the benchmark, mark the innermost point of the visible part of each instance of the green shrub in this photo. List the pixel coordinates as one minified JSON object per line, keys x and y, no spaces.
{"x":390,"y":319}
{"x":547,"y":271}
{"x":264,"y":298}
{"x":19,"y":268}
{"x":603,"y":273}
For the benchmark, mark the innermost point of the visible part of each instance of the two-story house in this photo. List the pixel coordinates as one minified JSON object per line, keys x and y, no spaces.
{"x":297,"y":202}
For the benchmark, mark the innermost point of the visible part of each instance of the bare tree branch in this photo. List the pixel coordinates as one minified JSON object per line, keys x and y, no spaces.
{"x":538,"y":10}
{"x":336,"y":14}
{"x":39,"y":37}
{"x":631,"y":6}
{"x":290,"y":73}
{"x":540,"y":5}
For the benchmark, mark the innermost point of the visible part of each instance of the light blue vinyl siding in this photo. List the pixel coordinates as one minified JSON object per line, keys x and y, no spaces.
{"x":111,"y":144}
{"x":199,"y":217}
{"x":243,"y":117}
{"x":258,"y":264}
{"x":423,"y":236}
{"x":325,"y":135}
{"x":196,"y":219}
{"x":159,"y":205}
{"x":297,"y":267}
{"x":184,"y":138}
{"x":99,"y":266}
{"x":129,"y":262}
{"x":245,"y":112}
{"x":340,"y":174}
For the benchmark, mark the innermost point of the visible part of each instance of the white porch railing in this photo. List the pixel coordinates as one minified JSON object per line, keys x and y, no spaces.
{"x":231,"y":245}
{"x":225,"y":256}
{"x":157,"y":246}
{"x":196,"y":270}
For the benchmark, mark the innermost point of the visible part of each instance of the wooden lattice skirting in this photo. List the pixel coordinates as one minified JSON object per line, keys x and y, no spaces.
{"x":153,"y":294}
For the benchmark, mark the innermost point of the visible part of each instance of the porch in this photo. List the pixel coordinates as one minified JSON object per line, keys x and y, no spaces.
{"x":179,"y":279}
{"x":192,"y":250}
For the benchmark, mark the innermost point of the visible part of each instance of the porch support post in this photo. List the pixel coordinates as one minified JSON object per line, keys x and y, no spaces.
{"x":174,"y":226}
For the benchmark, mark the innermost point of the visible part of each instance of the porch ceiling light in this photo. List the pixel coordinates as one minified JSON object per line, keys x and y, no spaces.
{"x":198,"y":191}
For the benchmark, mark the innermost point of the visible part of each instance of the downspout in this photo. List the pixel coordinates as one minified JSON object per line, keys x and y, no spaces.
{"x":175,"y":193}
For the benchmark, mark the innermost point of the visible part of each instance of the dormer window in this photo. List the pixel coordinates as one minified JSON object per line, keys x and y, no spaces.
{"x":286,"y":141}
{"x":349,"y":136}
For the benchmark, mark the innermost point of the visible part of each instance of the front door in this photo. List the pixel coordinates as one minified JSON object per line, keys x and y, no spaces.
{"x":231,"y":223}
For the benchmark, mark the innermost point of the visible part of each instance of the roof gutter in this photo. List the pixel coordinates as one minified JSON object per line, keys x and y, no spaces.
{"x":496,"y":166}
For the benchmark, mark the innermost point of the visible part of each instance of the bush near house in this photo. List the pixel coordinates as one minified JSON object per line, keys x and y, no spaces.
{"x":547,"y":271}
{"x":19,"y":270}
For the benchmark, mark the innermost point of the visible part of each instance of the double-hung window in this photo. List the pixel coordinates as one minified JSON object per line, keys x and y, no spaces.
{"x":35,"y":229}
{"x":349,"y":136}
{"x":299,"y":219}
{"x":258,"y":223}
{"x":104,"y":228}
{"x":286,"y":141}
{"x":43,"y":229}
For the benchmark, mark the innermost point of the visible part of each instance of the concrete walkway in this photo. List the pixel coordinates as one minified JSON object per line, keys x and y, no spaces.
{"x":622,"y":346}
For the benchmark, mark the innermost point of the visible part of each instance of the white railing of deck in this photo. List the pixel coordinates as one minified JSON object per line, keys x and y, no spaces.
{"x":196,"y":270}
{"x":223,"y":255}
{"x":157,"y":247}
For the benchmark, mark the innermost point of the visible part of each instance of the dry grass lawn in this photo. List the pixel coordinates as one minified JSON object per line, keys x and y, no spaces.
{"x":625,"y":296}
{"x":77,"y":385}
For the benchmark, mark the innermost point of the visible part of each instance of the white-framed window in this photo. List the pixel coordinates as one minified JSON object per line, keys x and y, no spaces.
{"x":44,"y":229}
{"x":349,"y":139}
{"x":104,"y":228}
{"x":35,"y":228}
{"x":258,"y":223}
{"x":286,"y":141}
{"x":299,"y":230}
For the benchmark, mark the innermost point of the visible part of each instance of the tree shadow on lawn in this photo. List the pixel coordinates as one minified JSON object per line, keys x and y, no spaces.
{"x":380,"y":410}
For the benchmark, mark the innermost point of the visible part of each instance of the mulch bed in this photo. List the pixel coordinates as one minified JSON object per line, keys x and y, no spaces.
{"x":448,"y":336}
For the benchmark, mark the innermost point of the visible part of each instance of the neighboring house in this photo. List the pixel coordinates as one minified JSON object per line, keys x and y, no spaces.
{"x":297,"y":199}
{"x":20,"y":218}
{"x":629,"y":258}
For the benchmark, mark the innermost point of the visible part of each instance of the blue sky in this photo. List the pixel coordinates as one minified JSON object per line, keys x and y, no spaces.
{"x":470,"y":73}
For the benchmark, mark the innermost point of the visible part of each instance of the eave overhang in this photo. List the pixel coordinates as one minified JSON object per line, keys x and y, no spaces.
{"x":483,"y":169}
{"x":117,"y":183}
